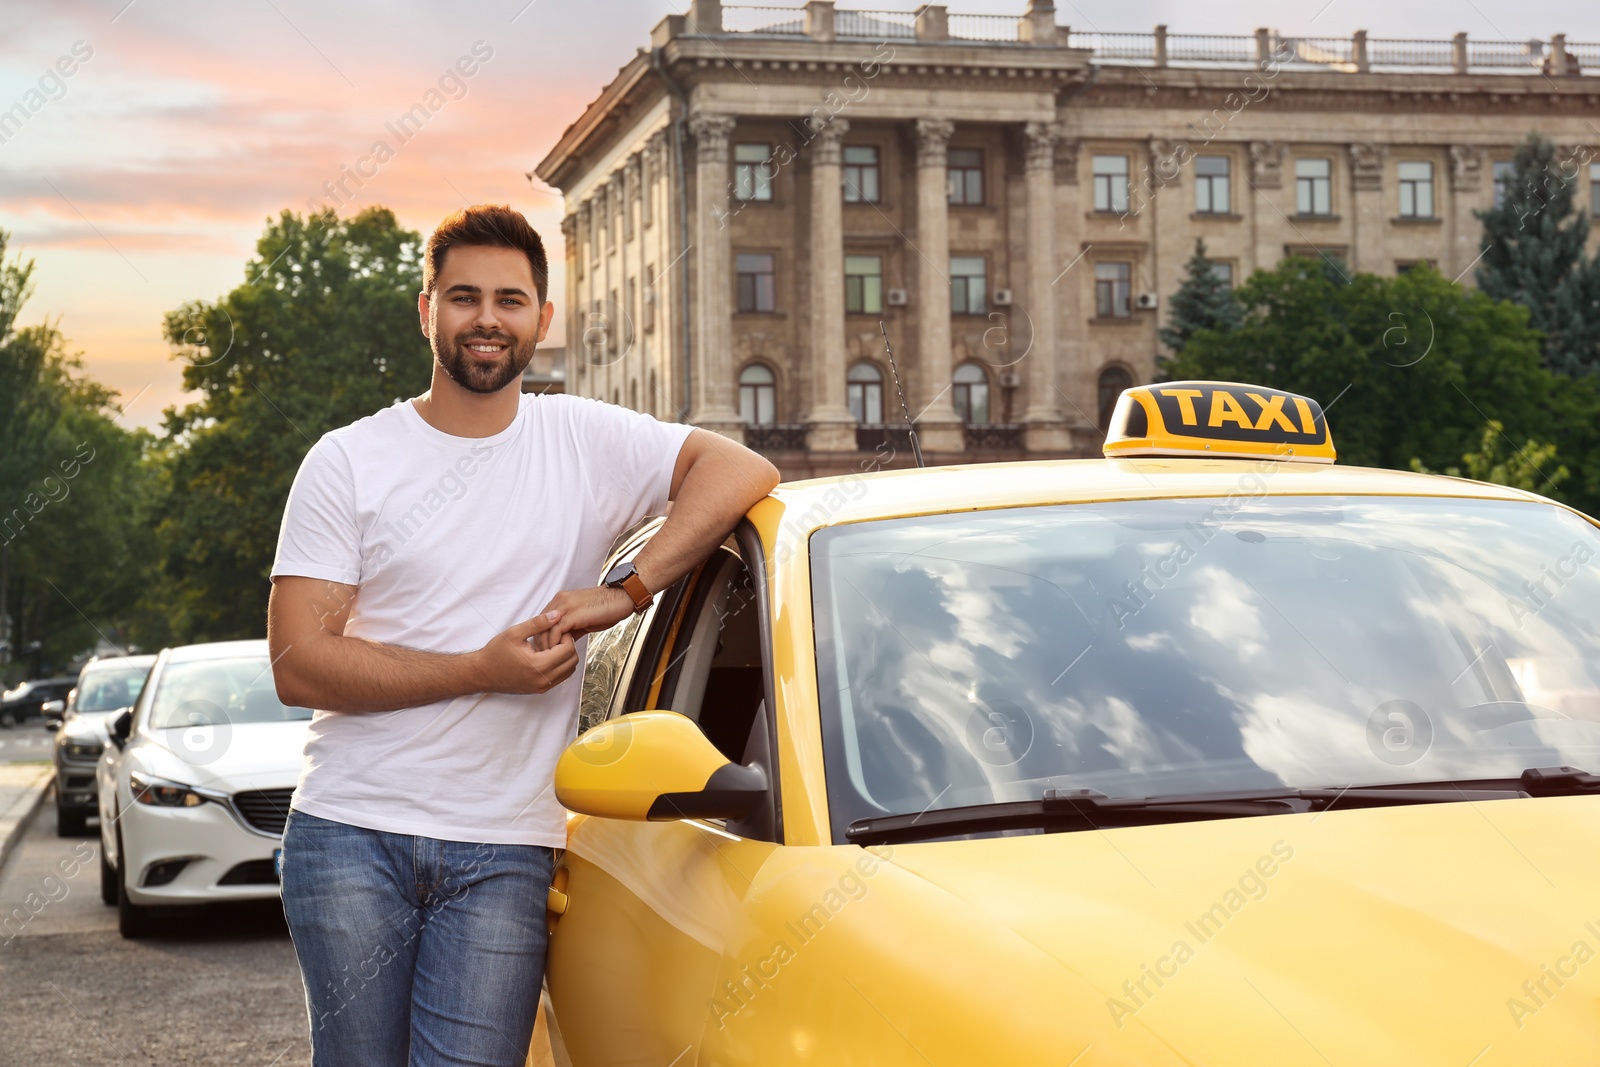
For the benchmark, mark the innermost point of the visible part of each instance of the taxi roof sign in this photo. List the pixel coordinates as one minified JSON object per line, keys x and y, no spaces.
{"x":1218,"y":419}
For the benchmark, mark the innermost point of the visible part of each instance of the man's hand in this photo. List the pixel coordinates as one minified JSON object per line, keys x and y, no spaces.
{"x":583,"y":611}
{"x":511,"y":665}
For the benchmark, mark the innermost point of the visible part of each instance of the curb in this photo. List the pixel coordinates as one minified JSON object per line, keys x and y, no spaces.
{"x":25,"y":820}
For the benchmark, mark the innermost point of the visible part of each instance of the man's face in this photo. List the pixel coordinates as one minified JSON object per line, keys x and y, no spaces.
{"x":483,"y":317}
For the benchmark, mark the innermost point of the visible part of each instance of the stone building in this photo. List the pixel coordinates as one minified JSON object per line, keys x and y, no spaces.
{"x":1013,"y":200}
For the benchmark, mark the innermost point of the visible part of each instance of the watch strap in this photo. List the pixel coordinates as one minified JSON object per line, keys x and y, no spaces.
{"x":634,"y":586}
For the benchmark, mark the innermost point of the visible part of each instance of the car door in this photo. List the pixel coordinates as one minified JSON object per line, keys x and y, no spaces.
{"x":651,"y":906}
{"x":106,"y":772}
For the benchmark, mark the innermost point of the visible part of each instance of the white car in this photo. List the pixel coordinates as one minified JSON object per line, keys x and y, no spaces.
{"x":194,"y":787}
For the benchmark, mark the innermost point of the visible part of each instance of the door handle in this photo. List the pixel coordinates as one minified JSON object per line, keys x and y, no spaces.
{"x":556,"y":901}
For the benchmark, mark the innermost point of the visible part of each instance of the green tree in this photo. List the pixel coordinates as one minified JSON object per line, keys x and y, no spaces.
{"x":1203,"y":302}
{"x":1406,"y":367}
{"x":70,"y":483}
{"x":322,"y":332}
{"x":1533,"y":254}
{"x":1531,"y":467}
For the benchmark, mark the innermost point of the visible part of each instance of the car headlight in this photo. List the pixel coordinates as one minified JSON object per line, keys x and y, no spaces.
{"x":159,"y":794}
{"x":82,"y":750}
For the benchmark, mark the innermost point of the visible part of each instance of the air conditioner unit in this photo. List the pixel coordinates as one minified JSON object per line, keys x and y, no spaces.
{"x":1010,"y":380}
{"x":1002,"y":298}
{"x":1145,"y":302}
{"x":898,"y":298}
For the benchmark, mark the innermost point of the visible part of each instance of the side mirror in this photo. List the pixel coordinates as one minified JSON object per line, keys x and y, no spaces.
{"x":53,"y":709}
{"x":656,"y":766}
{"x":119,"y":727}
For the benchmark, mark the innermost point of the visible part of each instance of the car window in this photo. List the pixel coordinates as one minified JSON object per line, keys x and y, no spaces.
{"x":604,"y":667}
{"x":1157,"y":647}
{"x":109,"y":688}
{"x":214,"y":692}
{"x":610,"y":653}
{"x":713,"y":673}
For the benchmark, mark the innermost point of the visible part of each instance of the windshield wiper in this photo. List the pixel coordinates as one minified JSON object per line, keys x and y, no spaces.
{"x":1065,"y":810}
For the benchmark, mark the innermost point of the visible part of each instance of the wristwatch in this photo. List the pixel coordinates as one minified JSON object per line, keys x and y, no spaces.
{"x":624,"y":577}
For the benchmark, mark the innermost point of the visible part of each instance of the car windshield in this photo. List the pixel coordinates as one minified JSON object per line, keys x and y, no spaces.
{"x":215,"y":692}
{"x":1162,"y":647}
{"x":109,"y":688}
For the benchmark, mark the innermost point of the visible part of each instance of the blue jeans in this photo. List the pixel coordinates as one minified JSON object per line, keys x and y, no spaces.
{"x":415,"y":951}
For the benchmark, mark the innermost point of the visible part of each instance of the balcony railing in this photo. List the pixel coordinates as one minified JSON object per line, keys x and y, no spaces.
{"x":871,"y":437}
{"x":775,"y":438}
{"x":999,"y":28}
{"x":765,"y":20}
{"x":875,"y":25}
{"x":1193,"y":48}
{"x":994,"y":437}
{"x":1355,"y":54}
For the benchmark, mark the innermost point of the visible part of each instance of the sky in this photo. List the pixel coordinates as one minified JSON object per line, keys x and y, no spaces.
{"x":148,"y":173}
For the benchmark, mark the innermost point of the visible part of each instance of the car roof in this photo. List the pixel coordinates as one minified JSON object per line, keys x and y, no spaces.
{"x":109,"y":662}
{"x":803,"y":506}
{"x":215,"y":650}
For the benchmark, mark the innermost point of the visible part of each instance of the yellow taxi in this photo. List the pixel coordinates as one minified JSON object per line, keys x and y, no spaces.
{"x":1209,"y":752}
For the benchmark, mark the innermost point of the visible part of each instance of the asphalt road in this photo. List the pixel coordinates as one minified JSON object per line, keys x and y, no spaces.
{"x":26,"y":743}
{"x":219,"y":986}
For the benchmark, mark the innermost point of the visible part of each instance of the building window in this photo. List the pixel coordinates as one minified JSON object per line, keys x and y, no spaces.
{"x":614,"y":330}
{"x":971,"y":389}
{"x":1406,"y":266}
{"x":649,"y":297}
{"x":755,"y":282}
{"x":1211,"y":185}
{"x":966,"y":175}
{"x":864,"y":393}
{"x":1505,"y":172}
{"x":1223,"y":272}
{"x":863,"y":285}
{"x":1113,"y":283}
{"x":1594,"y":190}
{"x":758,"y":397}
{"x":861,"y":174}
{"x":752,"y":172}
{"x":969,"y":285}
{"x":1111,"y":183}
{"x":1416,"y":190}
{"x":1313,"y":186}
{"x":1113,"y":380}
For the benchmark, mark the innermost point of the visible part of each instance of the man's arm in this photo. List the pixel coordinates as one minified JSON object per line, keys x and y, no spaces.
{"x":314,"y":665}
{"x":714,"y":482}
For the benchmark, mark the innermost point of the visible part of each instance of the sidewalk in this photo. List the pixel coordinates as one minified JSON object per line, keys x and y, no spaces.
{"x":22,"y":790}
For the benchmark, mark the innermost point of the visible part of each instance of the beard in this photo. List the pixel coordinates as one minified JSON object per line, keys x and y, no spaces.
{"x":478,"y":375}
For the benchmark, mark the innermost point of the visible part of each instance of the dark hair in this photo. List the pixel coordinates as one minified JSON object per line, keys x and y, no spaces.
{"x":493,"y":225}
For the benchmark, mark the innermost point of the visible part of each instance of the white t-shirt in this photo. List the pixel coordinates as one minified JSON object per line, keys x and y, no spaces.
{"x":450,"y":541}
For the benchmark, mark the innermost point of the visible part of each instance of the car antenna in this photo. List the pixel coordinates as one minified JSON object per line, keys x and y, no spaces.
{"x":916,"y":448}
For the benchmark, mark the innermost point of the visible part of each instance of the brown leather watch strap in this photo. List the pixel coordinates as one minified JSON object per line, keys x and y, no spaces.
{"x":634,"y":586}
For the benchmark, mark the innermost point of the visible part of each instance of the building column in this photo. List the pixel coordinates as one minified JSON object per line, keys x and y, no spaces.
{"x":713,"y":308}
{"x":938,"y":428}
{"x":1046,"y":430}
{"x":1466,"y":186}
{"x":1368,"y":251}
{"x":829,"y":425}
{"x":1266,"y":178}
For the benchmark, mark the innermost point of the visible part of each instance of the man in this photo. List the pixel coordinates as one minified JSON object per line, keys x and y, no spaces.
{"x":434,"y":580}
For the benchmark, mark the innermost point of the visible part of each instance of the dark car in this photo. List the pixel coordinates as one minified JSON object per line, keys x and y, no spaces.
{"x":26,"y":701}
{"x":105,"y":687}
